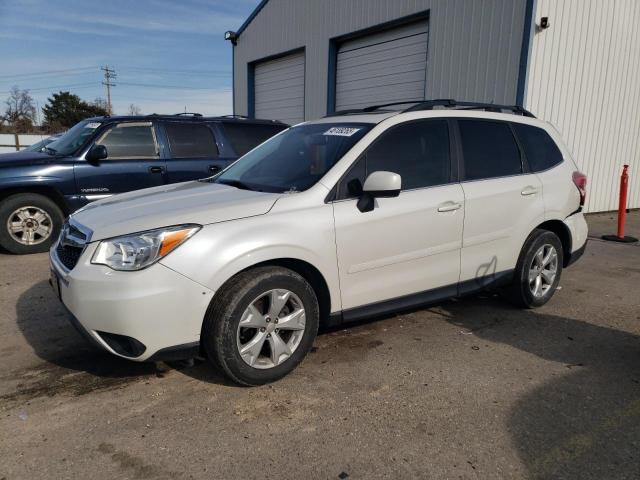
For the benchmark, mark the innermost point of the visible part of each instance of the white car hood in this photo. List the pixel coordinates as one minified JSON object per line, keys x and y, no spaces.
{"x":191,"y":202}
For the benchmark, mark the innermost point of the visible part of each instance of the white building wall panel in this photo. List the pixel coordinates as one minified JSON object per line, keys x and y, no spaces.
{"x":583,"y":77}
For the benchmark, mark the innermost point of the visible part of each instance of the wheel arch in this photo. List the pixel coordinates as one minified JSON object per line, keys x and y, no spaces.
{"x":564,"y":234}
{"x":45,"y":190}
{"x":307,"y":271}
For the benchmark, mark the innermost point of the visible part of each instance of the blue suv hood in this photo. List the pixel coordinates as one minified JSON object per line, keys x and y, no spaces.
{"x":24,"y":158}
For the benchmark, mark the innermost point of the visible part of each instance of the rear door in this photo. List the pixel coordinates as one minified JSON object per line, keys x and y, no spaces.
{"x":133,"y":162}
{"x":409,"y":244}
{"x":192,"y":151}
{"x":503,"y":201}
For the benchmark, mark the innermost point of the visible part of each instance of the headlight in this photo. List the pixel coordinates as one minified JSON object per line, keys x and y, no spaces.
{"x":139,"y":250}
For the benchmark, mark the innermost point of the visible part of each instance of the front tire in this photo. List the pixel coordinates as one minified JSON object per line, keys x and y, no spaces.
{"x":29,"y":223}
{"x":261,"y":325}
{"x":538,"y":270}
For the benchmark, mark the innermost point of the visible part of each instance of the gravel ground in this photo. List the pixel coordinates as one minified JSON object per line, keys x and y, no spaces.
{"x":471,"y":388}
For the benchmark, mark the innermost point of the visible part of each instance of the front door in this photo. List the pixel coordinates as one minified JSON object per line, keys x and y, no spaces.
{"x":133,"y":162}
{"x":409,"y":244}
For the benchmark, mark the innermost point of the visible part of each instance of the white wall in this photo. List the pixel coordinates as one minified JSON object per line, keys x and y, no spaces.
{"x":8,"y":141}
{"x":584,"y":77}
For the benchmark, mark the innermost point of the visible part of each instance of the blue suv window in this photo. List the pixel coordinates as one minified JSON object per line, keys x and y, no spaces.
{"x":130,"y":141}
{"x":191,"y":140}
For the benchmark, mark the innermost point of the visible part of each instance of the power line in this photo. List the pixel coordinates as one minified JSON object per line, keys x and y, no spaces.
{"x":175,"y":71}
{"x":53,"y":87}
{"x":151,"y":85}
{"x":109,"y":74}
{"x":47,"y":72}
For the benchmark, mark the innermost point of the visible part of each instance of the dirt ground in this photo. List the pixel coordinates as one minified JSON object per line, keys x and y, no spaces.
{"x":471,"y":388}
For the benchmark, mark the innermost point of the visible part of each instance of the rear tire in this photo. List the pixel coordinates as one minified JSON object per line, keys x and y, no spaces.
{"x":538,"y":270}
{"x":29,"y":223}
{"x":263,"y":299}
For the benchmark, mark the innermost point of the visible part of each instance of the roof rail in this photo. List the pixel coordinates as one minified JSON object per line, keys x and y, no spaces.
{"x":451,"y":103}
{"x":370,"y":108}
{"x":233,"y":116}
{"x":193,"y":114}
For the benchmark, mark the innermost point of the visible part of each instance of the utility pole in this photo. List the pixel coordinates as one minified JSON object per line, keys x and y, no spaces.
{"x":109,"y":74}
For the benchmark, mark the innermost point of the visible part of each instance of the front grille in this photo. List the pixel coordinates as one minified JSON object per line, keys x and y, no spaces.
{"x":74,"y":231}
{"x":68,"y":255}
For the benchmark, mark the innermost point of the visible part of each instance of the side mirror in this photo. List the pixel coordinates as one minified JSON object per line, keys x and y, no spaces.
{"x":96,"y":153}
{"x":379,"y":184}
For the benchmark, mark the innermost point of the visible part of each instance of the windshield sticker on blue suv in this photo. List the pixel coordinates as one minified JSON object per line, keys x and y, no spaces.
{"x":92,"y":125}
{"x":341,"y":131}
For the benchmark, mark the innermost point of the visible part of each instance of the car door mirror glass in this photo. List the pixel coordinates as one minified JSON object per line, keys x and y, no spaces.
{"x":97,"y":153}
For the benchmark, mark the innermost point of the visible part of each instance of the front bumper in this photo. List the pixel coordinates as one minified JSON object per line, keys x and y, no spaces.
{"x":156,"y":307}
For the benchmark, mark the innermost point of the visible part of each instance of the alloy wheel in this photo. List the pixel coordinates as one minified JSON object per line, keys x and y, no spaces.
{"x":30,"y":225}
{"x":543,"y":270}
{"x":271,"y":329}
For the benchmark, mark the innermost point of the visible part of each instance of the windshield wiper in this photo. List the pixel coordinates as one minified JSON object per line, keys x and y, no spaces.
{"x":235,"y":183}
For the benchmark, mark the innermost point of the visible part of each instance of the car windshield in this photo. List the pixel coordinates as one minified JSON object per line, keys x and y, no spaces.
{"x":73,"y":139}
{"x":295,"y":159}
{"x":37,"y":147}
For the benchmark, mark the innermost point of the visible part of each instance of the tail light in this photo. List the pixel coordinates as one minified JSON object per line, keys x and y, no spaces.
{"x":580,"y":181}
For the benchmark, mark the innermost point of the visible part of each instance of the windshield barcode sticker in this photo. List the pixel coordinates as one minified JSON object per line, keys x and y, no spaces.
{"x":92,"y":125}
{"x":341,"y":131}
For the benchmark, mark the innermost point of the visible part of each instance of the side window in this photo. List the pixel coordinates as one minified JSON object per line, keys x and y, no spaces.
{"x":351,"y":184}
{"x":489,"y":150}
{"x":130,"y":141}
{"x":245,"y":137}
{"x":191,"y":140}
{"x":418,"y":151}
{"x":541,"y":151}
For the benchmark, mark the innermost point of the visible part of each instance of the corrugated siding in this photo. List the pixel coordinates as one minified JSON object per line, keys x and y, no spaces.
{"x":584,"y":73}
{"x":279,"y":89}
{"x":384,"y":67}
{"x":473,"y":53}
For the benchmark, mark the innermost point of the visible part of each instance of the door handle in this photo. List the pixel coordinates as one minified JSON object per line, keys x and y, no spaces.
{"x":156,"y":169}
{"x":449,"y":206}
{"x":214,"y":169}
{"x":529,"y":190}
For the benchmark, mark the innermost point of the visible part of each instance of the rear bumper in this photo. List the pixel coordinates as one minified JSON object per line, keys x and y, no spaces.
{"x":579,"y":229}
{"x":575,"y":255}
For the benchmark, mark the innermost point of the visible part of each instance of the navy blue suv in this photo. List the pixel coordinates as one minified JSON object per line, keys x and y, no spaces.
{"x":103,"y":156}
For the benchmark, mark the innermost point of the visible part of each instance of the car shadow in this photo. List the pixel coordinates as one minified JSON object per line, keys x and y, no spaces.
{"x":585,"y":422}
{"x":46,"y":326}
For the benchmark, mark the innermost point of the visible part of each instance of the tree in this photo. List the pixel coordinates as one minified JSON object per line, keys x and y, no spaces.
{"x":134,"y":110}
{"x":20,"y":113}
{"x":64,"y":109}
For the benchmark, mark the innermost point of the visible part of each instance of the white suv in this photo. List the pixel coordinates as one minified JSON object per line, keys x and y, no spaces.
{"x":354,"y":215}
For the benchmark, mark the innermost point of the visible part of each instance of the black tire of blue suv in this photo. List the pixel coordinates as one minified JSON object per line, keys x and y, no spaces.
{"x":27,"y":216}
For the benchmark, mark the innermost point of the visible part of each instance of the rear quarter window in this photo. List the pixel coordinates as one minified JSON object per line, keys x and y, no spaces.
{"x":244,"y":137}
{"x":541,"y":151}
{"x":191,"y":140}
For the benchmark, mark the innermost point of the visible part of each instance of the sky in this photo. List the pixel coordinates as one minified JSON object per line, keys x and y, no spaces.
{"x":168,"y":54}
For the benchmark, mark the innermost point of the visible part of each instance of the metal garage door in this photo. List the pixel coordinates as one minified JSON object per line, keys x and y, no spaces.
{"x":384,"y":67}
{"x":279,"y":89}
